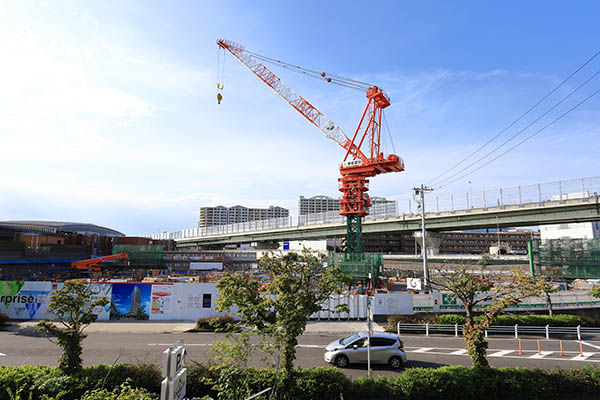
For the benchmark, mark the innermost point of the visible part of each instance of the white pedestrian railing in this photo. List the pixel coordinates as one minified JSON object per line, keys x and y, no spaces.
{"x":540,"y":194}
{"x":516,"y":330}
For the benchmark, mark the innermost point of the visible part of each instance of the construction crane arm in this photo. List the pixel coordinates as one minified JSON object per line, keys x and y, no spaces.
{"x":93,"y":262}
{"x":317,"y":118}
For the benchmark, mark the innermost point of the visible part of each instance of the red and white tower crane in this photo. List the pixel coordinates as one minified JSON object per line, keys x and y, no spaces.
{"x":363,"y":158}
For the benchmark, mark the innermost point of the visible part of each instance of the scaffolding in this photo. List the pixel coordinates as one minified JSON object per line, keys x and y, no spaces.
{"x":141,"y":256}
{"x":565,"y":258}
{"x":358,"y":265}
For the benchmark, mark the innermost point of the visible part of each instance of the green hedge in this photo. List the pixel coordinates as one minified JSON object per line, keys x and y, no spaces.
{"x":223,"y":323}
{"x":464,"y":383}
{"x":40,"y":380}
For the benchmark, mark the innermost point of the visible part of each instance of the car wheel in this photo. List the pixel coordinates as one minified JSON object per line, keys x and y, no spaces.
{"x":396,"y":362}
{"x":341,"y":361}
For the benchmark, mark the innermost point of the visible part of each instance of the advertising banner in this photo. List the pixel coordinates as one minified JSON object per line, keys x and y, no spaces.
{"x":98,"y":291}
{"x":24,"y":300}
{"x":130,"y":301}
{"x":162,"y":305}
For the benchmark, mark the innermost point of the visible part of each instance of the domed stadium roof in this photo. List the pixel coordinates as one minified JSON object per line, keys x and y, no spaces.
{"x":59,"y":226}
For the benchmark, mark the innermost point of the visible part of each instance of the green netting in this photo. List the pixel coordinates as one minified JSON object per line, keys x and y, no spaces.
{"x":567,"y":258}
{"x":141,"y":256}
{"x":358,"y":265}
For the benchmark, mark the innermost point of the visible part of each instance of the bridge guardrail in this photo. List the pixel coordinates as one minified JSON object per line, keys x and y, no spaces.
{"x":515,"y":330}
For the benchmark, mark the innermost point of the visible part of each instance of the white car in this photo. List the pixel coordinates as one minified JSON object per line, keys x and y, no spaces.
{"x":386,"y":348}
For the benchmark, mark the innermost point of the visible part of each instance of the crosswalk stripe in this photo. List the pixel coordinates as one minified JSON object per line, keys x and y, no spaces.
{"x":501,"y":353}
{"x":582,"y":357}
{"x":423,"y":350}
{"x":541,"y":355}
{"x":459,"y":352}
{"x":2,"y":354}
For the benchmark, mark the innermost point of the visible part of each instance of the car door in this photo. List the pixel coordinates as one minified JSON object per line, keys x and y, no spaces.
{"x":380,"y":349}
{"x":358,"y":354}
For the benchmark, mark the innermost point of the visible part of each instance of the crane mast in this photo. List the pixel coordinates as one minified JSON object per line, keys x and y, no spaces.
{"x":357,"y":166}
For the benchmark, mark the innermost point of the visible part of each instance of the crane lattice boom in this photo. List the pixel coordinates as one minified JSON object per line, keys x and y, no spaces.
{"x":356,"y":166}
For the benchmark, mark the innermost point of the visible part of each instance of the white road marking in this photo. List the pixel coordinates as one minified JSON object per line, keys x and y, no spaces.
{"x":459,"y":352}
{"x":423,"y":350}
{"x":582,"y":357}
{"x":501,"y":353}
{"x":185,"y":344}
{"x":311,"y":346}
{"x":591,"y":345}
{"x":2,"y":354}
{"x":541,"y":354}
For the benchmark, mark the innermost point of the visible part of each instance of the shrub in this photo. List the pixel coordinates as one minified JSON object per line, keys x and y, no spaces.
{"x":40,"y":380}
{"x":123,"y":392}
{"x":451,"y":319}
{"x":3,"y":318}
{"x":223,"y":323}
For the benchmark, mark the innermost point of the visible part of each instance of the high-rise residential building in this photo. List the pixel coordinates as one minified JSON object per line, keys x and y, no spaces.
{"x":319,"y":204}
{"x":220,"y":215}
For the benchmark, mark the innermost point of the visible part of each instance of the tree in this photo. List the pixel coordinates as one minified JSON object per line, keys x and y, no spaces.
{"x":477,"y":291}
{"x":73,"y":309}
{"x":547,"y":286}
{"x":279,"y":310}
{"x":595,"y":292}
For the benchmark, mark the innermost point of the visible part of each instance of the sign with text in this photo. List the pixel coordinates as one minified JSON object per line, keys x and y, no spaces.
{"x":174,"y":384}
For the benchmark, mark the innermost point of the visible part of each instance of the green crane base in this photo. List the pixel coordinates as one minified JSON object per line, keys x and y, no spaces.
{"x":358,"y":265}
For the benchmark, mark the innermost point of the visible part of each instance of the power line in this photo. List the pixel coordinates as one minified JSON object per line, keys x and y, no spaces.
{"x":517,"y":120}
{"x":526,"y":139}
{"x":522,"y":130}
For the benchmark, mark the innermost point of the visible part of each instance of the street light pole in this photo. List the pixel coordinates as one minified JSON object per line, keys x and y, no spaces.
{"x":421,"y":191}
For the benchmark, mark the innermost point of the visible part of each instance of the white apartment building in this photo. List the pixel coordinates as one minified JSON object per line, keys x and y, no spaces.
{"x":220,"y":215}
{"x":578,"y":230}
{"x":320,"y":204}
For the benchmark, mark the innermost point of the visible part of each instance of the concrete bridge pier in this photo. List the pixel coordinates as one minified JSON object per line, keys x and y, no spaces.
{"x":434,"y":240}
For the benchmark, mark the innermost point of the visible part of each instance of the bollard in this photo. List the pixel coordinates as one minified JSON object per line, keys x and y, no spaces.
{"x":520,"y":347}
{"x":547,"y":331}
{"x":516,"y":331}
{"x":561,"y":349}
{"x":578,"y":332}
{"x":486,"y":333}
{"x":455,"y":329}
{"x":398,"y":328}
{"x":581,"y":348}
{"x":539,"y":347}
{"x":426,"y":329}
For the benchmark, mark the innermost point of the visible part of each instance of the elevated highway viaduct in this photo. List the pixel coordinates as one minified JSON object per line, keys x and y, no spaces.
{"x":528,"y":214}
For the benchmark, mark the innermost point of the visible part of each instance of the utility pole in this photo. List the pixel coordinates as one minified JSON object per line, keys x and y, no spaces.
{"x":420,"y":191}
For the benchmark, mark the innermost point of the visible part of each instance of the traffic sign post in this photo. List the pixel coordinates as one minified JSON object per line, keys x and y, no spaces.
{"x":174,"y":384}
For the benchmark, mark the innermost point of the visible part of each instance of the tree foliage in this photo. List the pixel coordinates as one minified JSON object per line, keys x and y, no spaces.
{"x":595,"y":292}
{"x":279,"y":310}
{"x":73,"y":311}
{"x":478,"y":291}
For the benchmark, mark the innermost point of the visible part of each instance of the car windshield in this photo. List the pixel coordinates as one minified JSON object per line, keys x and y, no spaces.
{"x":349,"y":339}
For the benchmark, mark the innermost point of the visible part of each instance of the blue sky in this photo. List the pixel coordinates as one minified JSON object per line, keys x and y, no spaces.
{"x":108,"y":112}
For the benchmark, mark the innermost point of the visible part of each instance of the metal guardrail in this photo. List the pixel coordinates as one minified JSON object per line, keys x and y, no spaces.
{"x":515,"y":330}
{"x":539,"y":194}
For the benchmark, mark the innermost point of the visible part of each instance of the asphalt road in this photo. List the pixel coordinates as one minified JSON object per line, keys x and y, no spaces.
{"x":27,"y":347}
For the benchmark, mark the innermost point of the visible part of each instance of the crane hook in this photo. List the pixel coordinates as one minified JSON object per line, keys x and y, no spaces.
{"x":219,"y":98}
